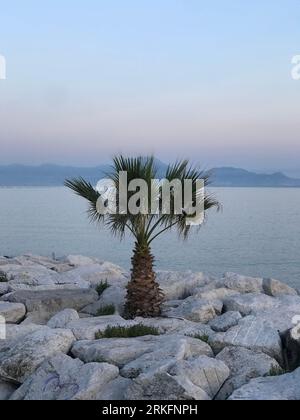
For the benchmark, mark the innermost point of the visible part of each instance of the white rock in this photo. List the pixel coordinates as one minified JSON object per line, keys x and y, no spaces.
{"x":217,"y":294}
{"x":12,"y":312}
{"x":30,"y":275}
{"x":251,"y":333}
{"x":275,"y":288}
{"x":52,"y":301}
{"x":114,"y":295}
{"x":282,"y":316}
{"x":95,"y":274}
{"x":63,"y":318}
{"x":244,"y":365}
{"x":242,"y":284}
{"x":250,"y":303}
{"x":63,"y":378}
{"x":280,"y":388}
{"x":6,"y":390}
{"x":4,"y":288}
{"x":166,"y":351}
{"x":122,"y":351}
{"x":86,"y":328}
{"x":22,"y":359}
{"x":193,"y":309}
{"x":226,"y":321}
{"x":195,"y":379}
{"x":177,"y":285}
{"x":176,"y":326}
{"x":114,"y":390}
{"x":80,"y":260}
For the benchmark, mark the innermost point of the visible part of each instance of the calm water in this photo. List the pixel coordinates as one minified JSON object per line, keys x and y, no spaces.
{"x":258,"y":232}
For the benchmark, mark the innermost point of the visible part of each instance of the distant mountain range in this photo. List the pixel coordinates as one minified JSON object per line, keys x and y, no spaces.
{"x":54,"y":175}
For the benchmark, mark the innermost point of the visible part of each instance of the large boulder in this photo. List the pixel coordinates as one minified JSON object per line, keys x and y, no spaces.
{"x":20,"y":360}
{"x":63,"y":378}
{"x":242,"y":284}
{"x":33,"y":275}
{"x":176,"y":285}
{"x":278,"y":388}
{"x":282,"y":316}
{"x":48,"y":303}
{"x":4,"y":288}
{"x":95,"y":274}
{"x":114,"y":390}
{"x":12,"y":312}
{"x":87,"y":328}
{"x":193,"y":309}
{"x":177,"y":326}
{"x":113,"y":295}
{"x":251,"y":333}
{"x":275,"y":288}
{"x":195,"y":379}
{"x":166,"y":351}
{"x":226,"y":321}
{"x":63,"y":318}
{"x":133,"y":353}
{"x":244,"y":365}
{"x":249,"y":303}
{"x":217,"y":294}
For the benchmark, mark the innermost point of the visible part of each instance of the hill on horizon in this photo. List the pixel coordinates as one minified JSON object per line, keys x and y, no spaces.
{"x":50,"y":175}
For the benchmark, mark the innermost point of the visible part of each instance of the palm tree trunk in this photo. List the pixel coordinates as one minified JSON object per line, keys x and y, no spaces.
{"x":144,"y":296}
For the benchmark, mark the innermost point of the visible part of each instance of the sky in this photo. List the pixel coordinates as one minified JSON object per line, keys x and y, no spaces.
{"x":206,"y":80}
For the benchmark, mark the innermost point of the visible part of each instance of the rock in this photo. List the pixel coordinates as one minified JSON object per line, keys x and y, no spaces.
{"x":275,"y":288}
{"x":123,"y":351}
{"x":193,"y":309}
{"x":217,"y":294}
{"x":114,"y":390}
{"x":86,"y":328}
{"x":6,"y":390}
{"x":282,"y":316}
{"x":242,"y":284}
{"x":251,"y":333}
{"x":63,"y":378}
{"x":12,"y":312}
{"x":176,"y":326}
{"x":4,"y":288}
{"x":114,"y":295}
{"x":226,"y":321}
{"x":166,"y":351}
{"x":80,"y":260}
{"x":244,"y":365}
{"x":279,"y":388}
{"x":249,"y":303}
{"x":19,"y":361}
{"x":177,"y":285}
{"x":94,"y":274}
{"x":48,"y":303}
{"x":63,"y":318}
{"x":30,"y":275}
{"x":195,"y":379}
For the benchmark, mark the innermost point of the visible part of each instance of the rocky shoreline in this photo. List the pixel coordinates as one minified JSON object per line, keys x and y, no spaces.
{"x":228,"y":338}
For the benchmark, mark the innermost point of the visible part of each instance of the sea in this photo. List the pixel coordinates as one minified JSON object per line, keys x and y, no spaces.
{"x":257,"y":233}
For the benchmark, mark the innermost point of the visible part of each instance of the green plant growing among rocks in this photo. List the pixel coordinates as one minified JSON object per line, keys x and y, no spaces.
{"x":106,"y":310}
{"x":102,"y":286}
{"x":139,"y":330}
{"x":276,"y":371}
{"x":203,"y":337}
{"x":3,"y":277}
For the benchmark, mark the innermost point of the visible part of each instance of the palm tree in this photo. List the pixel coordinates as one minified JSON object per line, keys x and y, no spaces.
{"x":144,"y":296}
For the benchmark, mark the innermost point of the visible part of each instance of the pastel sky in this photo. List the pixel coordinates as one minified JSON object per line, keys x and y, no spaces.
{"x":209,"y":80}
